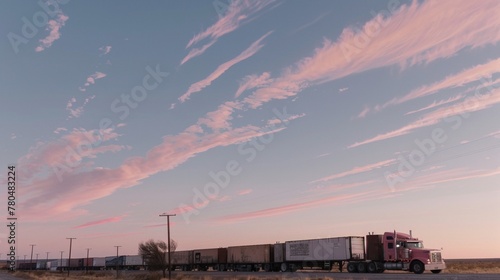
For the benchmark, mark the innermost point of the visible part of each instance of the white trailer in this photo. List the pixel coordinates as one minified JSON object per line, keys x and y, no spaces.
{"x":99,"y":262}
{"x":56,"y":264}
{"x":322,"y":253}
{"x":249,"y":257}
{"x":135,"y":260}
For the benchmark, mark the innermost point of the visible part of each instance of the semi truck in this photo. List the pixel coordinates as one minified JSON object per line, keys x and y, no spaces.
{"x":373,"y":253}
{"x":397,"y":251}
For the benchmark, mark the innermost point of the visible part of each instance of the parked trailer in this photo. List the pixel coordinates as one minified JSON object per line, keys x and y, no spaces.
{"x":57,"y":264}
{"x":98,"y":263}
{"x":314,"y":253}
{"x":250,"y":257}
{"x":216,"y":258}
{"x":113,"y":262}
{"x":397,"y":251}
{"x":134,"y":262}
{"x":182,"y":260}
{"x":76,"y":264}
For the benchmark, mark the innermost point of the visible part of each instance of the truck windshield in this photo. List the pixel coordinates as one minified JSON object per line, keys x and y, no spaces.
{"x":414,"y":245}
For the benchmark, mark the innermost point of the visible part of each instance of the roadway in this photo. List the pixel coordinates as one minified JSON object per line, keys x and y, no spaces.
{"x":335,"y":275}
{"x":215,"y":275}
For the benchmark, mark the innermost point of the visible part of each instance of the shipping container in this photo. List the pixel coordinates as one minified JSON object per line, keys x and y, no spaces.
{"x":181,"y":257}
{"x":57,"y":263}
{"x":114,"y":261}
{"x":88,"y":262}
{"x":75,"y":263}
{"x":99,"y":262}
{"x":210,"y":256}
{"x":41,"y":264}
{"x":279,"y":252}
{"x":250,"y":254}
{"x":135,"y":260}
{"x":325,"y":249}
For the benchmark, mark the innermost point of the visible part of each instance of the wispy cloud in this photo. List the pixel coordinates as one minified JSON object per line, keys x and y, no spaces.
{"x":198,"y":86}
{"x":363,"y":113}
{"x":338,"y":187}
{"x":434,"y":176}
{"x":100,"y":222}
{"x":437,"y":104}
{"x":473,"y":74}
{"x":473,"y":104}
{"x":456,"y":32}
{"x":237,"y":13}
{"x":74,"y":111}
{"x":245,"y":192}
{"x":172,"y":224}
{"x":280,"y":210}
{"x":311,"y":23}
{"x":220,"y":118}
{"x":105,"y":50}
{"x":60,"y":129}
{"x":91,"y":79}
{"x":471,"y":25}
{"x":197,"y":51}
{"x":276,"y":121}
{"x":53,"y":26}
{"x":461,"y":175}
{"x":45,"y":192}
{"x":252,"y":82}
{"x":357,"y":170}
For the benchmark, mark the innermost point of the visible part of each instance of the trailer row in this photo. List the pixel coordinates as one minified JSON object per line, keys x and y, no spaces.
{"x":388,"y":251}
{"x":289,"y":256}
{"x":132,"y":262}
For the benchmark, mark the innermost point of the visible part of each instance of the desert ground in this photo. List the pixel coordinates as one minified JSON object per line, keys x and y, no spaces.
{"x":456,"y":270}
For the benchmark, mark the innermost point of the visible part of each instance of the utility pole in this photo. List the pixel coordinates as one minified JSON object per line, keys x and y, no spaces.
{"x":87,"y":264}
{"x":117,"y":261}
{"x":31,"y":260}
{"x":60,"y":264}
{"x":168,"y":244}
{"x":47,"y":261}
{"x":69,"y":259}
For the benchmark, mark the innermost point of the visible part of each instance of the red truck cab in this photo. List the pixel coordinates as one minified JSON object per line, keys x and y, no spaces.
{"x":402,"y":248}
{"x":397,"y":251}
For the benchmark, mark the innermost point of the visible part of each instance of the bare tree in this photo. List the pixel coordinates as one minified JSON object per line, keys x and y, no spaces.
{"x":154,"y":254}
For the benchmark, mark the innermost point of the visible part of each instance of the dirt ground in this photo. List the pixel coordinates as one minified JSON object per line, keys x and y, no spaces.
{"x":484,"y":266}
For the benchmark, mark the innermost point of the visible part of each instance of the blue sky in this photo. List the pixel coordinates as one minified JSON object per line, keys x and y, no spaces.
{"x":253,"y":121}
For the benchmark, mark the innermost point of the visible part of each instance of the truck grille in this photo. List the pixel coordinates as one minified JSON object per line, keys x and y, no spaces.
{"x":436,"y":257}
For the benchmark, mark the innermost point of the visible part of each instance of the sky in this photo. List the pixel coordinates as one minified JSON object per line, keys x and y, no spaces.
{"x":252,"y":121}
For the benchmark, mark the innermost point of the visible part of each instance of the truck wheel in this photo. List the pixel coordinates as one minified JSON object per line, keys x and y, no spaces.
{"x":436,"y":271}
{"x":267,"y":267}
{"x":284,"y":267}
{"x":372,"y":267}
{"x":362,"y":267}
{"x":417,"y":267}
{"x":352,"y":267}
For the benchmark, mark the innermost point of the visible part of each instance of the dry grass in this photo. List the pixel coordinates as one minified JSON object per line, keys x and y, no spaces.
{"x":482,"y":266}
{"x":473,"y":266}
